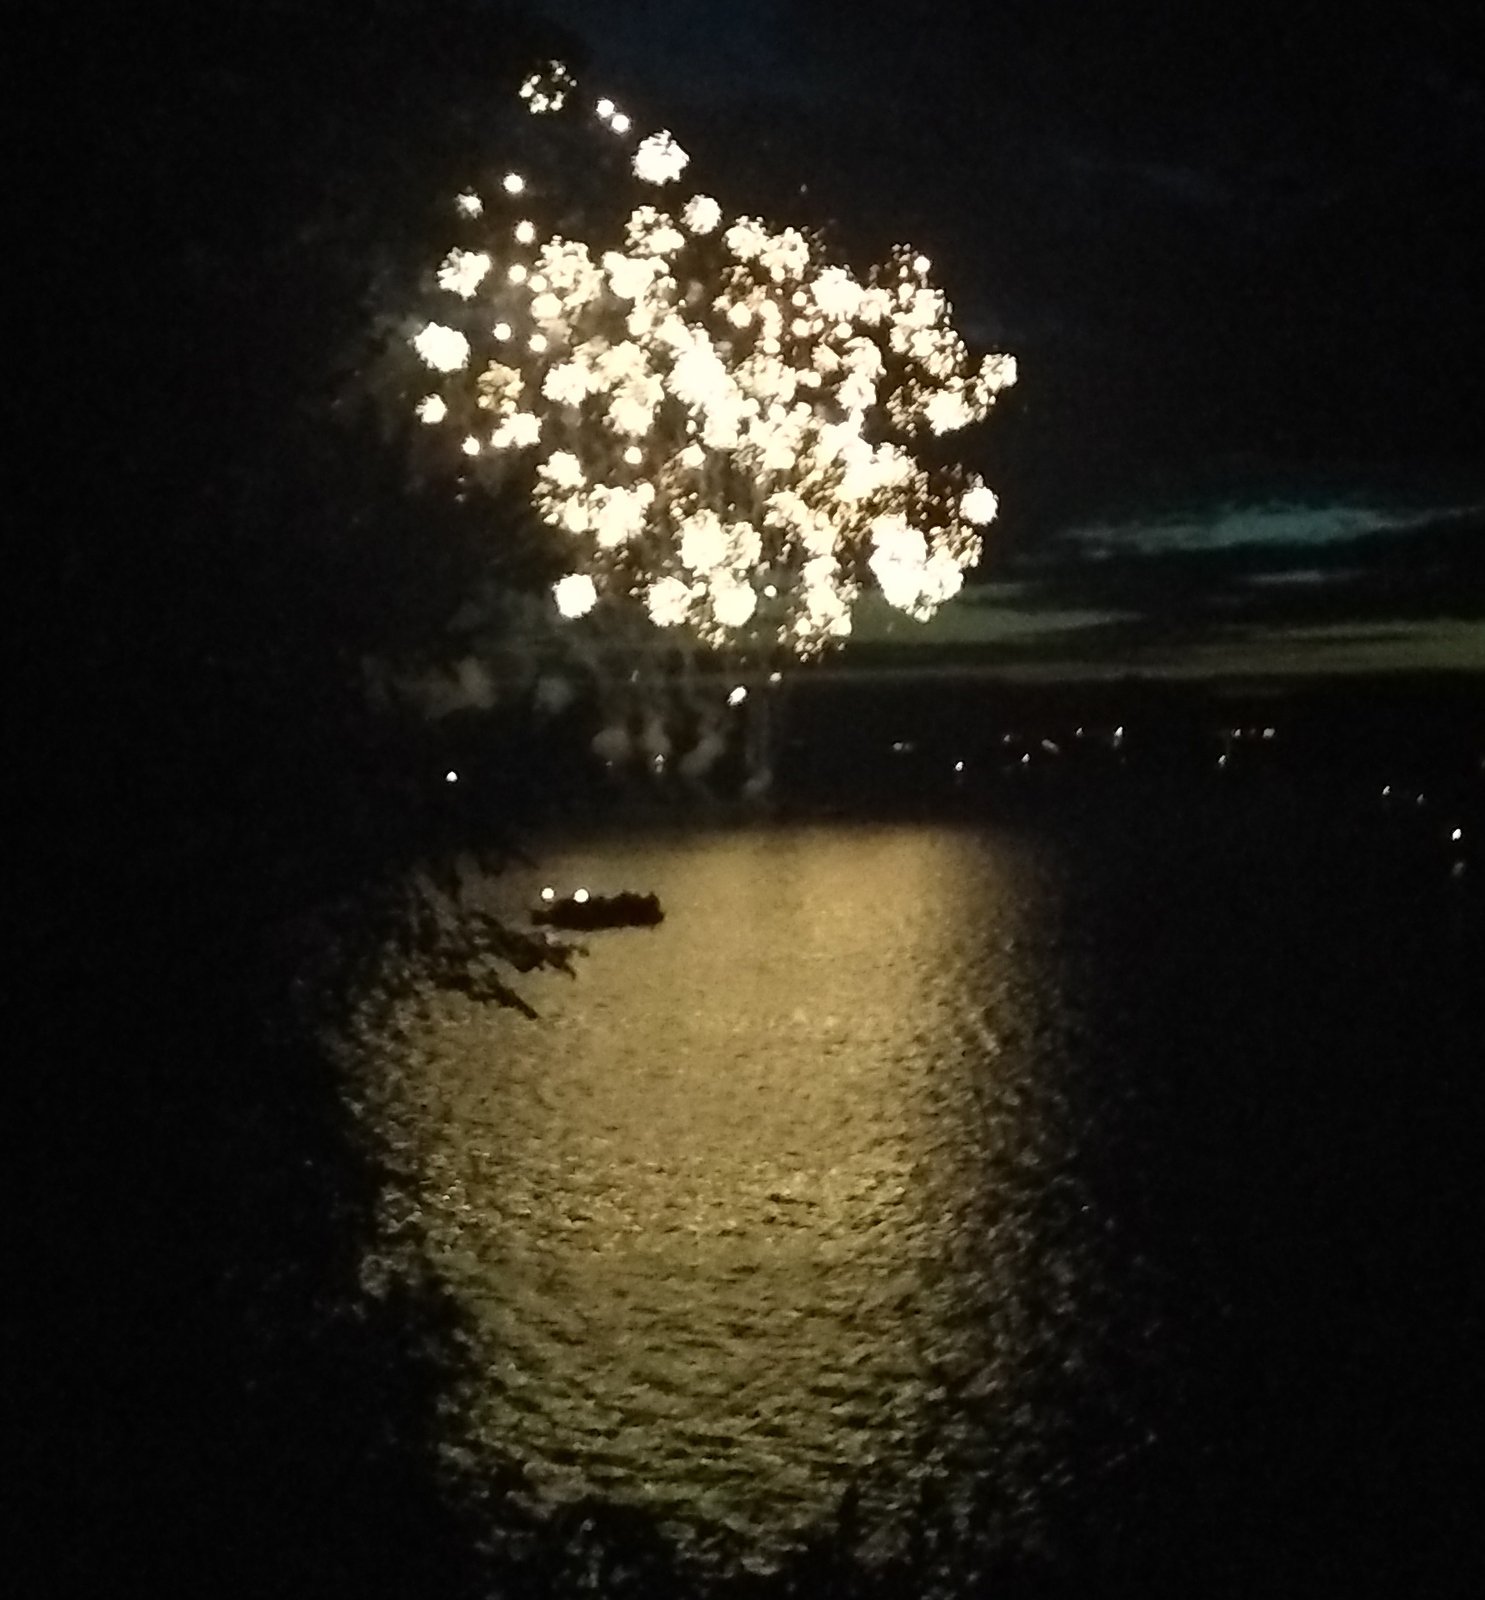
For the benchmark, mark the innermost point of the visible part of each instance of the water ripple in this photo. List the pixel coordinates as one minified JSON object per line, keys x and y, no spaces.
{"x":777,"y":1198}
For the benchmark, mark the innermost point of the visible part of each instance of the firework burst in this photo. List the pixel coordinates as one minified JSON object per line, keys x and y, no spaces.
{"x":721,"y":425}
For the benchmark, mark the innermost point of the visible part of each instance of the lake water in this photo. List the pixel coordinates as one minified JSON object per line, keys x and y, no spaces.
{"x":1068,"y":1184}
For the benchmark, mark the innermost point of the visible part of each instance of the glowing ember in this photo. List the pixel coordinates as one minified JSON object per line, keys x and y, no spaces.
{"x":463,"y":271}
{"x":659,"y":159}
{"x":979,"y":505}
{"x":444,"y":349}
{"x":547,"y":90}
{"x":520,"y":430}
{"x":702,"y":214}
{"x":575,"y":594}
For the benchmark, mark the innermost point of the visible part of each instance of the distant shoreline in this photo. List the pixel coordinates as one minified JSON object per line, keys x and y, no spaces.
{"x":1297,"y":655}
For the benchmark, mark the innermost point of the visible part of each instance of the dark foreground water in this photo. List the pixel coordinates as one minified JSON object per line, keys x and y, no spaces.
{"x":1083,"y":1199}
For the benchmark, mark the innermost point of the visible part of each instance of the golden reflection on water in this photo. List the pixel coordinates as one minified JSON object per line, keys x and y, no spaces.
{"x":744,"y":1217}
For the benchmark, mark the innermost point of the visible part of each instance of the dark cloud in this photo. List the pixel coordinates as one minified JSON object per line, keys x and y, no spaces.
{"x":685,"y":53}
{"x":1214,"y":235}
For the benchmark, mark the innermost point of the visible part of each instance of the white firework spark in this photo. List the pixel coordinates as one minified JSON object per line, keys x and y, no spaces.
{"x":575,"y":594}
{"x":719,"y":423}
{"x":444,"y":349}
{"x":463,"y":271}
{"x":547,"y":89}
{"x":659,"y":159}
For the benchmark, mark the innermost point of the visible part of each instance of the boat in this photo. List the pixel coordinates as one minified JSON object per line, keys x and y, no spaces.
{"x":583,"y":912}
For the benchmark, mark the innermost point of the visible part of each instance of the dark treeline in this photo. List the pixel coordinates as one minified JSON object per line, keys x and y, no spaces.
{"x":259,"y":186}
{"x":242,"y":186}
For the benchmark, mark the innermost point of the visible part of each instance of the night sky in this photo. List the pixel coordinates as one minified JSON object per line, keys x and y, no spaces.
{"x":1233,"y":248}
{"x":1240,"y":236}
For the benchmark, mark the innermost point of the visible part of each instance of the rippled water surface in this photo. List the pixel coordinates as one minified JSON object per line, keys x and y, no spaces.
{"x":774,"y":1200}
